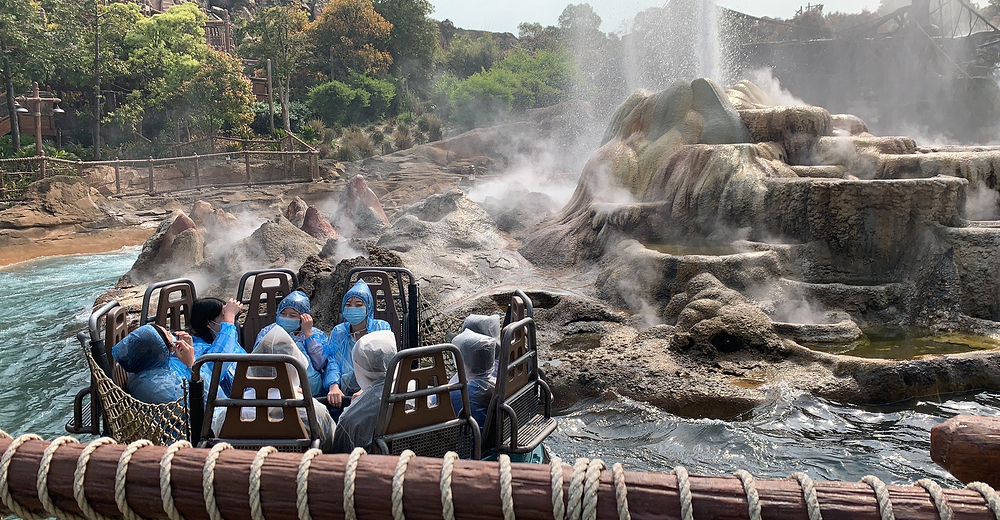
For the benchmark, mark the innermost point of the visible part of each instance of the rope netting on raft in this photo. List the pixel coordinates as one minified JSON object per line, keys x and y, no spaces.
{"x":131,"y":419}
{"x":579,"y":501}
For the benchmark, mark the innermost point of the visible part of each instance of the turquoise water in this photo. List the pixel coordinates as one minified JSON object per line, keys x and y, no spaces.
{"x":46,"y":302}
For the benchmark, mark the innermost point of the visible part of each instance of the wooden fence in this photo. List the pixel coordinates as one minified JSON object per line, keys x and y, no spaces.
{"x":235,"y":162}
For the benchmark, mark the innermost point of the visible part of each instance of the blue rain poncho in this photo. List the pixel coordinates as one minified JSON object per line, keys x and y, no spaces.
{"x":477,"y":355}
{"x":156,"y":375}
{"x":371,"y":358}
{"x":340,"y":368}
{"x":223,"y":343}
{"x":313,"y":347}
{"x":277,"y":341}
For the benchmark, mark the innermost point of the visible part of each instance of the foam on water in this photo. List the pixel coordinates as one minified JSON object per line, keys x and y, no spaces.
{"x":45,"y":303}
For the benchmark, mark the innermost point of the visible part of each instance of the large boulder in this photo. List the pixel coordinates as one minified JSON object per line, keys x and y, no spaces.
{"x":175,"y":247}
{"x":316,"y":225}
{"x":359,"y":212}
{"x":60,"y":200}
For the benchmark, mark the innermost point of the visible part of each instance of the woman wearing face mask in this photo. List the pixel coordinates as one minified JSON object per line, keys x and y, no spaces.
{"x":358,"y":309}
{"x":294,"y":317}
{"x":213,"y":330}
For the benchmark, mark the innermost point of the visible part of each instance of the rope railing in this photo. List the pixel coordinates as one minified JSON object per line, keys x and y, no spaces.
{"x":180,"y":482}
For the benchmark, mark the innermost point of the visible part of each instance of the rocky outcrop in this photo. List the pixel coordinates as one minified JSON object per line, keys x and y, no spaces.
{"x":175,"y":247}
{"x":359,"y":212}
{"x":57,"y":201}
{"x":316,"y":225}
{"x":296,"y":211}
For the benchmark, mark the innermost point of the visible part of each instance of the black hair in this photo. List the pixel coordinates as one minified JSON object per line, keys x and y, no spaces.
{"x":203,"y":311}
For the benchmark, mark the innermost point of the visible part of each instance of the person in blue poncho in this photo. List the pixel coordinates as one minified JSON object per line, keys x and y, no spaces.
{"x":213,"y":331}
{"x":477,"y":355}
{"x":294,"y":317}
{"x":358,"y":309}
{"x":158,"y":363}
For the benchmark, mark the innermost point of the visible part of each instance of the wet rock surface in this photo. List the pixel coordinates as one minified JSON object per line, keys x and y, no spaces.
{"x":709,"y":237}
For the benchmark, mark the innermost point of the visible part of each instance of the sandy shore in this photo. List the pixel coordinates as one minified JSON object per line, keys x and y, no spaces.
{"x":100,"y":241}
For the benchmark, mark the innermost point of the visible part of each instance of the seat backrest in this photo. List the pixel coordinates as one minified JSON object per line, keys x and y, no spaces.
{"x":113,"y":319}
{"x":267,"y":289}
{"x":395,"y":292}
{"x":520,"y":392}
{"x":173,"y":305}
{"x":519,"y":308}
{"x":274,"y":421}
{"x":416,"y":411}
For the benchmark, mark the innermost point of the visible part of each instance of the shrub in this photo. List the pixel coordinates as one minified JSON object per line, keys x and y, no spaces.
{"x":402,"y":139}
{"x":358,"y":100}
{"x":325,"y":151}
{"x":466,"y":56}
{"x":434,"y":127}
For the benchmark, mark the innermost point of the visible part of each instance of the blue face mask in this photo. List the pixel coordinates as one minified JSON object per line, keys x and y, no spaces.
{"x":289,"y":324}
{"x":355,"y":315}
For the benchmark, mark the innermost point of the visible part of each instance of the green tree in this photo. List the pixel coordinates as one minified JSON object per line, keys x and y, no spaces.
{"x":278,"y":33}
{"x":465,"y":56}
{"x":22,"y":29}
{"x":413,"y":40}
{"x":360,"y":99}
{"x":351,"y":35}
{"x":219,"y":95}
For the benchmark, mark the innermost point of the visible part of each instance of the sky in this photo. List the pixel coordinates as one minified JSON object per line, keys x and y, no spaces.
{"x":505,"y":15}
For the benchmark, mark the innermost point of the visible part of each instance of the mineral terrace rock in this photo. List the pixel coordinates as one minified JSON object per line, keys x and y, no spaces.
{"x":296,"y":211}
{"x":359,"y":210}
{"x":56,"y":201}
{"x":171,"y":252}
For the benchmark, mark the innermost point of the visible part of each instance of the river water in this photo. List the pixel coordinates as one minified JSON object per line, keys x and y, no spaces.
{"x":47,"y":301}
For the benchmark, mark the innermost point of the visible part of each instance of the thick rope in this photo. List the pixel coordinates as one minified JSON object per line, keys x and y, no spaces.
{"x":120,"y":476}
{"x":989,"y":495}
{"x":882,"y":495}
{"x":302,"y":484}
{"x":5,"y":496}
{"x":750,"y":488}
{"x":506,"y":487}
{"x":556,"y":476}
{"x":397,"y":484}
{"x":592,"y":483}
{"x":350,"y":474}
{"x":447,"y":501}
{"x":937,"y":496}
{"x":256,"y":511}
{"x":166,"y":490}
{"x":208,"y":480}
{"x":575,"y":505}
{"x":621,"y":492}
{"x":79,"y":492}
{"x":809,"y":495}
{"x":684,"y":492}
{"x":42,"y":480}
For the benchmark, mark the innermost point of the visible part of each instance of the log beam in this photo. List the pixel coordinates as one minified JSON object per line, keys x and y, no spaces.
{"x":968,"y":446}
{"x":475,"y":487}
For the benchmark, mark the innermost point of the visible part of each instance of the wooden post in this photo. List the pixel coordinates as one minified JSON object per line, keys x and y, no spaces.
{"x":212,"y":141}
{"x":969,"y":448}
{"x":197,"y":175}
{"x":150,"y":174}
{"x":270,"y":100}
{"x":79,"y":167}
{"x":118,"y":179}
{"x":475,"y":488}
{"x":41,"y":163}
{"x":291,"y":168}
{"x":314,"y":164}
{"x":246,"y":161}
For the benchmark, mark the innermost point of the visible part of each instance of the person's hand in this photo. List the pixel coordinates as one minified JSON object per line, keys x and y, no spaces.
{"x":229,"y":311}
{"x":356,"y":394}
{"x":307,"y":325}
{"x":335,"y":396}
{"x":183,"y":348}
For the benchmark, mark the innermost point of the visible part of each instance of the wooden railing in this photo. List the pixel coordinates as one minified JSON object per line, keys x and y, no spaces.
{"x":246,"y":167}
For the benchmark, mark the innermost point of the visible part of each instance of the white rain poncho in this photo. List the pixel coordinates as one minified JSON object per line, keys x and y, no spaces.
{"x":483,"y":324}
{"x":371,"y":356}
{"x":478,"y":352}
{"x":277,"y":341}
